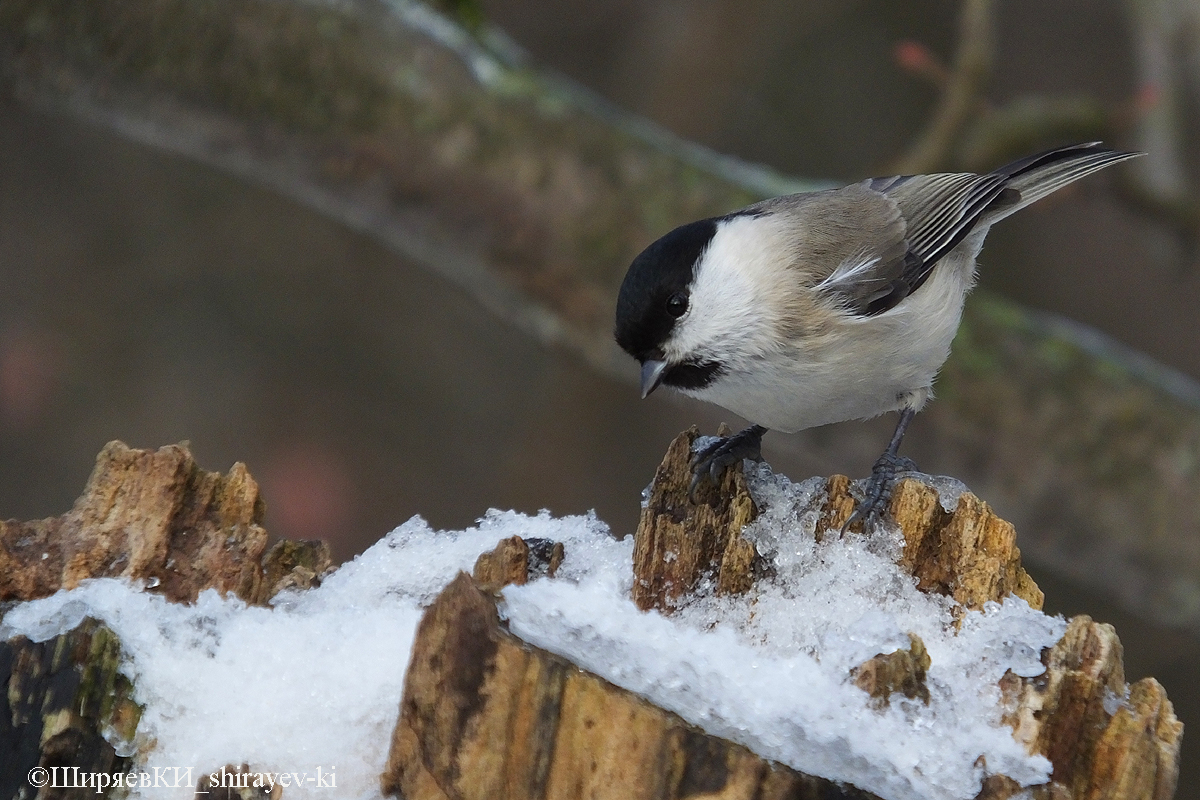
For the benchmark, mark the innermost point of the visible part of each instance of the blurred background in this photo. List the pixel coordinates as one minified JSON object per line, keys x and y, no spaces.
{"x":151,"y":298}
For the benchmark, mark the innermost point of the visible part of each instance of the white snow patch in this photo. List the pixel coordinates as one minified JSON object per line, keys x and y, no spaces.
{"x":316,"y":680}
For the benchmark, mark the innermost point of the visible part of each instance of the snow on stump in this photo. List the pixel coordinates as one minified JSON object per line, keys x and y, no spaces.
{"x":146,"y":515}
{"x":487,"y":715}
{"x":739,"y":646}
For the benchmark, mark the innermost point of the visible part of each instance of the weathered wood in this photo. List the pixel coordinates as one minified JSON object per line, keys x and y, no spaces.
{"x":1106,"y":739}
{"x":59,"y":695}
{"x":969,"y":554}
{"x":682,"y":547}
{"x":291,"y":564}
{"x":486,"y":716}
{"x":515,"y":560}
{"x":155,"y":516}
{"x":900,"y":671}
{"x":679,"y":543}
{"x":507,"y":564}
{"x":148,"y":515}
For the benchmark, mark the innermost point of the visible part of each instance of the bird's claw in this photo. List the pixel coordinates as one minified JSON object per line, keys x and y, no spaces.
{"x":713,"y":459}
{"x":879,"y":488}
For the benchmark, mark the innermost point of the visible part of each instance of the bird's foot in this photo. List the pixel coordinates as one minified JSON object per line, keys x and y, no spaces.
{"x":879,"y":487}
{"x":712,"y":460}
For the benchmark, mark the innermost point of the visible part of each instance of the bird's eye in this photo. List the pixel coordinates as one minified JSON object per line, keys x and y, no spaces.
{"x":677,"y":304}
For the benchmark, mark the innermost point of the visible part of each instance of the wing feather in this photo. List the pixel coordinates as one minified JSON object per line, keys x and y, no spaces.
{"x":867,"y":246}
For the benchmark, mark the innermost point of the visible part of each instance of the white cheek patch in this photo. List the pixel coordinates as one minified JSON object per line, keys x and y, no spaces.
{"x":728,"y":315}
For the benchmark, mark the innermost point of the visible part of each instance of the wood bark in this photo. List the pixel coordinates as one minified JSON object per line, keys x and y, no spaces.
{"x":679,"y":543}
{"x":1106,"y":739}
{"x":59,"y":695}
{"x":485,"y":715}
{"x":901,"y":671}
{"x":969,"y":554}
{"x":516,"y":560}
{"x":155,"y":516}
{"x":534,"y":198}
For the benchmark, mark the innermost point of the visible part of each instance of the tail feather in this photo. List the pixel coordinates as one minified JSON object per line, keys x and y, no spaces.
{"x":1036,"y":176}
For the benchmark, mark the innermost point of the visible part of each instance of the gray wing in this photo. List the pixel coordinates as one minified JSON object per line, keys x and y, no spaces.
{"x":939,"y":211}
{"x":870,"y":245}
{"x":936,"y":212}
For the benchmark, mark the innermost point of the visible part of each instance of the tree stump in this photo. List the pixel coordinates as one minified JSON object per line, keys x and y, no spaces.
{"x":60,"y":694}
{"x":155,"y":516}
{"x":485,"y":715}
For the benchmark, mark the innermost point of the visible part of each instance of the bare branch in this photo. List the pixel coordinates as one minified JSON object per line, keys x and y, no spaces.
{"x":962,"y":97}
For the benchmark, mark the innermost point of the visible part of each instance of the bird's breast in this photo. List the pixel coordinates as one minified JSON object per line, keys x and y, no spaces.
{"x":859,"y":367}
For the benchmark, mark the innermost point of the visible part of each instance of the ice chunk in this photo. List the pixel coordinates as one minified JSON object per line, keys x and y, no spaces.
{"x":56,"y":621}
{"x":949,"y":490}
{"x":1114,"y":702}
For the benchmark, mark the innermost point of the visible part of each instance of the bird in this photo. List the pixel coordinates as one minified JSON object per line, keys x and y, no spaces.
{"x":825,"y":306}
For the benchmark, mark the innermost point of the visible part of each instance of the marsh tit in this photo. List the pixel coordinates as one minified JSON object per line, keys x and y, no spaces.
{"x":825,"y":306}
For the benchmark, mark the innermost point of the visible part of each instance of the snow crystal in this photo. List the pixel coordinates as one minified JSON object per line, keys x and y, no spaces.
{"x":316,"y":680}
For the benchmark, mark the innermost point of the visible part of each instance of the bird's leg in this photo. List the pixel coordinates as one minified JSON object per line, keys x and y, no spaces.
{"x":883,"y":475}
{"x":712,"y":460}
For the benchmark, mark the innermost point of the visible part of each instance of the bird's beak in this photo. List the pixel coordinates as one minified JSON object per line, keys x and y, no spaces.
{"x":651,"y":374}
